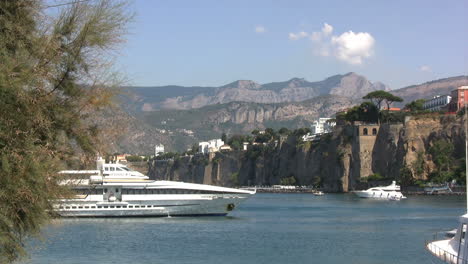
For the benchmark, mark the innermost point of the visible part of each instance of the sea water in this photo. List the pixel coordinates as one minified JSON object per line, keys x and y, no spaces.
{"x":267,"y":228}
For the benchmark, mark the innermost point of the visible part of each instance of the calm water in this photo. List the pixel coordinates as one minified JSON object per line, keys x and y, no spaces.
{"x":269,"y":228}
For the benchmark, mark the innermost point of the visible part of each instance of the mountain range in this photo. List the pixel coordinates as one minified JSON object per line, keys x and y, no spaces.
{"x":179,"y":116}
{"x":349,"y":85}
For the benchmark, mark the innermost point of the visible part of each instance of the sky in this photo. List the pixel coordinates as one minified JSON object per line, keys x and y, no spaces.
{"x":212,"y":43}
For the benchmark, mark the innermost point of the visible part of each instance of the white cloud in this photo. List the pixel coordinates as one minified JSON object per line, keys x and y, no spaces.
{"x":260,"y":29}
{"x":352,"y":47}
{"x":425,"y":68}
{"x":316,"y":36}
{"x":299,"y":35}
{"x":327,"y":29}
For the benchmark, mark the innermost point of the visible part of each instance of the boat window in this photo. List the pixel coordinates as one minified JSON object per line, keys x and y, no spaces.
{"x":67,"y":207}
{"x":106,"y":168}
{"x":118,"y":206}
{"x":124,"y":168}
{"x":137,"y":206}
{"x":73,"y":207}
{"x":117,"y":190}
{"x":86,"y":207}
{"x":124,"y":206}
{"x":111,"y":206}
{"x":112,"y":169}
{"x":130,"y":206}
{"x":99,"y":207}
{"x":105,"y":190}
{"x":106,"y":206}
{"x":118,"y":169}
{"x":94,"y":207}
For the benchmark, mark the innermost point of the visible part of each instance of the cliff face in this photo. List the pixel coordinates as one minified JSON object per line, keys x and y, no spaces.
{"x":338,"y":162}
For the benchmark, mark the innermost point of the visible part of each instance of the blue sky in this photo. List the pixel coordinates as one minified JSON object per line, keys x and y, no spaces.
{"x":213,"y":43}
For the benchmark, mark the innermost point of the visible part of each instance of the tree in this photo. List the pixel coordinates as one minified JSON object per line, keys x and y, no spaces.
{"x":284,"y":131}
{"x":391,"y":99}
{"x":366,"y":112}
{"x":53,"y":77}
{"x":416,"y":105}
{"x":377,"y":97}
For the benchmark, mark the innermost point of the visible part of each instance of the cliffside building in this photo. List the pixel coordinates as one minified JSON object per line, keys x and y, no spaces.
{"x":322,"y":125}
{"x":459,"y":99}
{"x":158,"y":150}
{"x":437,"y":103}
{"x":210,"y":146}
{"x":366,"y":135}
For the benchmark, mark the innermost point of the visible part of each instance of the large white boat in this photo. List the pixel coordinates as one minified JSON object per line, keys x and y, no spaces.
{"x":390,"y":192}
{"x":116,"y":191}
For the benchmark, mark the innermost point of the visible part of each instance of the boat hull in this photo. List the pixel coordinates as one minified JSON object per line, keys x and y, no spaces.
{"x":202,"y":206}
{"x":379,"y":195}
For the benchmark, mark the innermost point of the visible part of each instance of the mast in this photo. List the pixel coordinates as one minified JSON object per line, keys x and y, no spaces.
{"x":466,"y":153}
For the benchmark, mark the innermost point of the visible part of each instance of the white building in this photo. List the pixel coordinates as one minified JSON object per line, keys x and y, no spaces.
{"x":321,"y":126}
{"x":210,"y":146}
{"x":437,"y":102}
{"x":158,"y":150}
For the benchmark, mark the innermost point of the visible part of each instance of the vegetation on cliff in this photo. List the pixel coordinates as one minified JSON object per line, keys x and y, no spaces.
{"x":53,"y":76}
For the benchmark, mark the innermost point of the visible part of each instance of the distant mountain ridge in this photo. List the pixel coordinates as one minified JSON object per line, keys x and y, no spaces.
{"x":151,"y":120}
{"x":349,"y":85}
{"x":430,"y":89}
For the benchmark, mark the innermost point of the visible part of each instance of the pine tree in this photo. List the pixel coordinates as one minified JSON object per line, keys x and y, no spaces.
{"x":53,"y":76}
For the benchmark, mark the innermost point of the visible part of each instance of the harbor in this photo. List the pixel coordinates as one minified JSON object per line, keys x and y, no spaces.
{"x":268,"y":228}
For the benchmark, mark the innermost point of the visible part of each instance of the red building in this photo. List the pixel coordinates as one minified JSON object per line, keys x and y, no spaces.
{"x":459,"y":99}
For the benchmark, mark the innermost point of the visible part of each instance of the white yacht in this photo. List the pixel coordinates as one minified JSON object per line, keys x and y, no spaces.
{"x":452,"y":250}
{"x":116,"y":191}
{"x":391,"y":191}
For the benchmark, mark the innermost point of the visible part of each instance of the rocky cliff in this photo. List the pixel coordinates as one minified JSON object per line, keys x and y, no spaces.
{"x":339,"y":162}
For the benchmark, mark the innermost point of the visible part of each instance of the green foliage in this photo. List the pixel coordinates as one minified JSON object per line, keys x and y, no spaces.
{"x":255,"y":151}
{"x":301,"y":132}
{"x":442,"y":152}
{"x":416,"y":105}
{"x":365,"y":112}
{"x":375,"y":177}
{"x":237,"y":141}
{"x":377,"y":97}
{"x":448,"y":168}
{"x":52,"y":78}
{"x":255,"y":132}
{"x":134,"y":158}
{"x":418,"y":164}
{"x":168,"y":155}
{"x":288,"y":181}
{"x":406,"y":176}
{"x":284,"y":131}
{"x":234,"y":178}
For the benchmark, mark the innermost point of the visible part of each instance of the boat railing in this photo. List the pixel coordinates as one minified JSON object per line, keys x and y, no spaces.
{"x":441,"y":253}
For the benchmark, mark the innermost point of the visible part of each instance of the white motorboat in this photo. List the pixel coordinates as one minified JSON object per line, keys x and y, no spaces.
{"x":391,"y":191}
{"x":117,"y":191}
{"x":318,"y":193}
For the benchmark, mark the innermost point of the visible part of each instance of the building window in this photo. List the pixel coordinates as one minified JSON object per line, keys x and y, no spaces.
{"x":364,"y":132}
{"x":374,"y":131}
